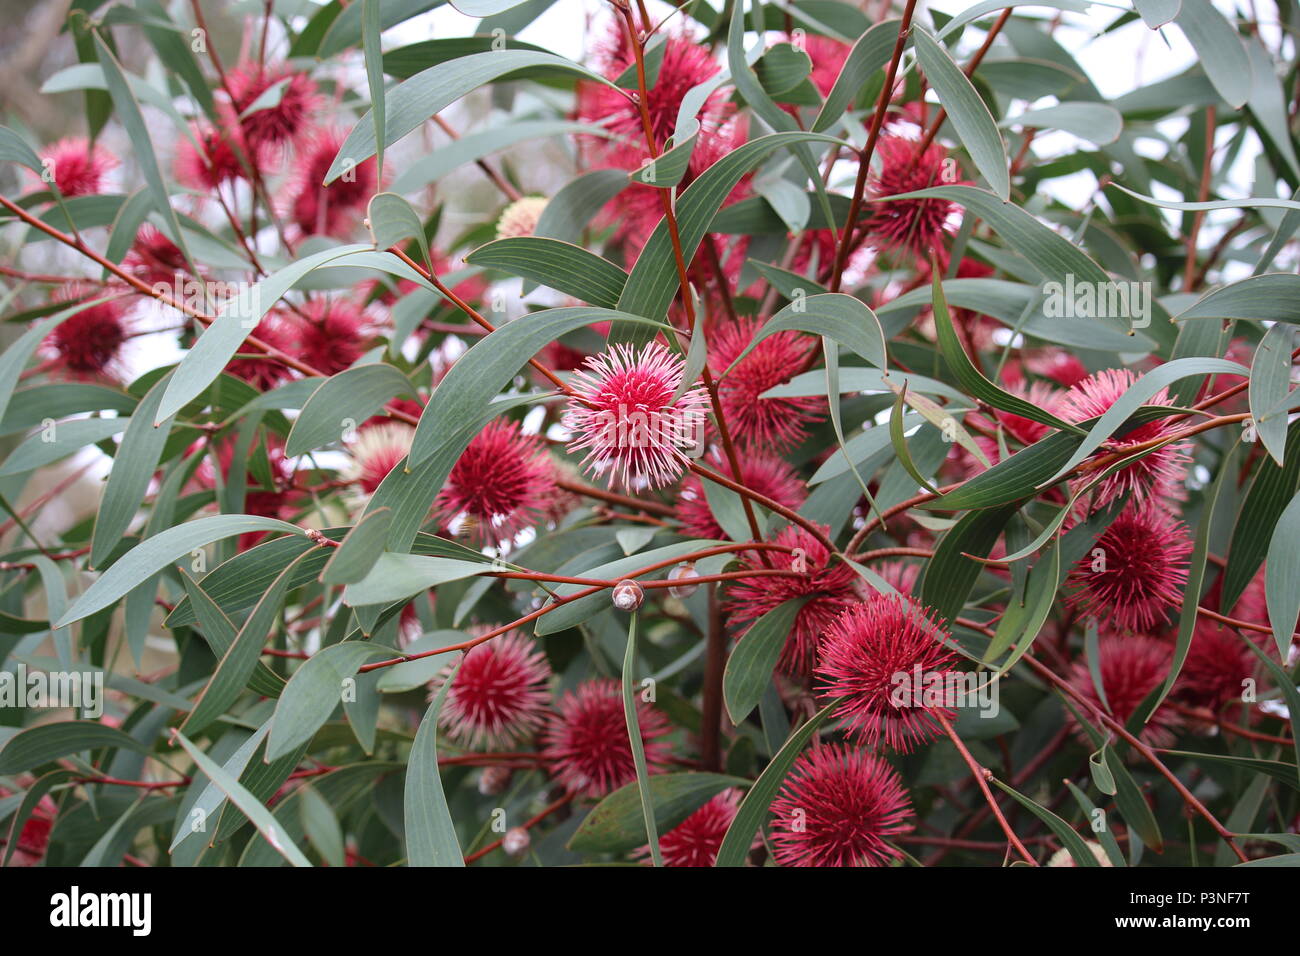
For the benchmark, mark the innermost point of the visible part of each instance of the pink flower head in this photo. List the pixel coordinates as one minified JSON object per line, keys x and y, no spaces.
{"x":499,"y":697}
{"x":277,"y":331}
{"x":829,"y":590}
{"x":378,"y":449}
{"x":625,"y":416}
{"x":77,"y":167}
{"x":500,"y":484}
{"x":586,"y":744}
{"x":214,"y":160}
{"x":880,"y":659}
{"x":696,"y":840}
{"x":775,"y":423}
{"x":915,"y":225}
{"x":827,"y":57}
{"x":1060,"y":366}
{"x":1156,"y":475}
{"x":1131,"y":667}
{"x":1135,"y":572}
{"x":838,"y":807}
{"x":766,"y":474}
{"x":278,"y":125}
{"x":89,"y":344}
{"x":34,"y":838}
{"x":332,"y":333}
{"x":338,"y":208}
{"x":155,"y":258}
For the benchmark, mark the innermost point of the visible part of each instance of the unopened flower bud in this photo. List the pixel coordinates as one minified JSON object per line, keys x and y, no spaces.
{"x":493,"y":780}
{"x":516,"y":841}
{"x":683,"y":572}
{"x":628,"y":595}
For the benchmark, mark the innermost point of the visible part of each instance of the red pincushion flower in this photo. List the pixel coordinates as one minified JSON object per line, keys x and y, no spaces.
{"x":155,"y":258}
{"x":827,"y":57}
{"x":277,"y":331}
{"x":776,"y":423}
{"x":838,"y":807}
{"x":766,"y":474}
{"x":338,"y":208}
{"x":499,"y":485}
{"x":88,"y":344}
{"x":332,"y":333}
{"x":280,"y":124}
{"x":1060,"y":366}
{"x":625,"y":416}
{"x":696,"y":840}
{"x":214,"y":160}
{"x":378,"y":449}
{"x":879,"y":659}
{"x":587,"y":746}
{"x":1218,"y":664}
{"x":1131,"y":667}
{"x":34,"y":838}
{"x":76,"y":167}
{"x":499,"y":697}
{"x":829,"y":591}
{"x":915,"y":225}
{"x":1135,"y":572}
{"x":1150,"y":478}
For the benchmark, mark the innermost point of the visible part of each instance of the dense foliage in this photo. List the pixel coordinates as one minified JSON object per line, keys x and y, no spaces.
{"x":793,"y":434}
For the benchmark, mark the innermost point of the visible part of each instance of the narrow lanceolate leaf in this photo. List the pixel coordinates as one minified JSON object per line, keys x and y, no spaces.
{"x":1282,"y":576}
{"x":1270,"y":378}
{"x":950,"y":575}
{"x":637,"y":744}
{"x":617,"y":824}
{"x":342,"y":403}
{"x":431,"y":91}
{"x":252,"y":807}
{"x":835,"y":315}
{"x":1219,"y":50}
{"x":360,"y":549}
{"x":749,"y":668}
{"x":1095,"y":122}
{"x":315,"y":689}
{"x":133,"y":469}
{"x":1270,"y":493}
{"x":969,"y":115}
{"x":1273,"y":297}
{"x":1064,"y":832}
{"x":1286,"y":683}
{"x":1156,"y":13}
{"x":155,"y":553}
{"x":234,"y":323}
{"x":392,"y":577}
{"x":59,"y":440}
{"x":43,"y":743}
{"x":558,"y":265}
{"x":430,"y":834}
{"x":236,"y":666}
{"x":749,"y":817}
{"x":870,"y":53}
{"x":371,"y":30}
{"x":899,"y":441}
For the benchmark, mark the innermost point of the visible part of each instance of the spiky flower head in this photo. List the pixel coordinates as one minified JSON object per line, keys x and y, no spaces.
{"x":77,"y":167}
{"x":884,"y":661}
{"x":499,"y":486}
{"x":499,"y":698}
{"x":89,"y":344}
{"x":916,"y":226}
{"x":587,"y":745}
{"x":696,"y":840}
{"x":1131,"y":666}
{"x":284,"y":114}
{"x":1155,"y":476}
{"x":828,"y":590}
{"x":766,"y":474}
{"x":625,"y":416}
{"x":1135,"y":572}
{"x":772,"y":423}
{"x":838,"y":807}
{"x":377,"y":450}
{"x":336,"y":209}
